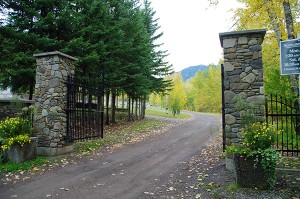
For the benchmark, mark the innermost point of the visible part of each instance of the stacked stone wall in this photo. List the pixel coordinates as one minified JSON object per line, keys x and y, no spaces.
{"x":50,"y":90}
{"x":11,"y":108}
{"x":243,"y":78}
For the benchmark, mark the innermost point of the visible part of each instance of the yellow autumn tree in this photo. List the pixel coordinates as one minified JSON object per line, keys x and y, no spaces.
{"x":206,"y":90}
{"x":177,"y":96}
{"x":281,"y":23}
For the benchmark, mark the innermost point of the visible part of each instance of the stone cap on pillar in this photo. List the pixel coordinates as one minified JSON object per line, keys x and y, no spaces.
{"x":55,"y":53}
{"x":261,"y":32}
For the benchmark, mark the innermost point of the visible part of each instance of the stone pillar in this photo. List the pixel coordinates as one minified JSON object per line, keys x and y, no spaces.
{"x":50,"y":101}
{"x":243,"y":77}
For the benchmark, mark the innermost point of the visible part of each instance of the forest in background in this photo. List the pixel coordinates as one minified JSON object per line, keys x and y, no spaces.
{"x":201,"y":93}
{"x":119,"y":38}
{"x":281,"y":19}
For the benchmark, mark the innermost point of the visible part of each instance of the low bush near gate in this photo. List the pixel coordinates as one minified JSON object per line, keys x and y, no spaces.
{"x":259,"y":136}
{"x":13,"y":131}
{"x":257,"y":147}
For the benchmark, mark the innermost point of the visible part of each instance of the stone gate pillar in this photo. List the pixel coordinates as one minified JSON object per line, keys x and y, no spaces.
{"x":50,"y":101}
{"x":243,"y":77}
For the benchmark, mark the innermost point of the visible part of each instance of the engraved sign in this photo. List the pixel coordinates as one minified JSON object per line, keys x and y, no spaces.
{"x":290,"y":57}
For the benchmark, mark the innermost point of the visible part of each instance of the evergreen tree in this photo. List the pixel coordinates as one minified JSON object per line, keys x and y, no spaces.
{"x":158,"y":67}
{"x":32,"y":26}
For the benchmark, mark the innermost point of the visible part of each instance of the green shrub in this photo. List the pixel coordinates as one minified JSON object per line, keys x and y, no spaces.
{"x":14,"y":130}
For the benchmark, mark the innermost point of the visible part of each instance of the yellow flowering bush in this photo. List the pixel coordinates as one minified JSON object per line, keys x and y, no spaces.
{"x":258,"y":139}
{"x":259,"y":136}
{"x":20,"y":139}
{"x":14,"y":130}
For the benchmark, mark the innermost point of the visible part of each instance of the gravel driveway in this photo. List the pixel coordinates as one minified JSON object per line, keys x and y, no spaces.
{"x":129,"y":172}
{"x":183,"y":159}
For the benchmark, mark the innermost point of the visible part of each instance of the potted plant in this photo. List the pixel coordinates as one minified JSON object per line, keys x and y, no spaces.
{"x":255,"y":161}
{"x":15,"y":143}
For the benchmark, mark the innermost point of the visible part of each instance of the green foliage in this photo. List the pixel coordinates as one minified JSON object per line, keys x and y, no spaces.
{"x":14,"y":130}
{"x":232,"y":187}
{"x":9,"y":142}
{"x":165,"y":113}
{"x":230,"y":150}
{"x":270,"y":14}
{"x":114,"y":37}
{"x":259,"y":136}
{"x":246,"y":109}
{"x":201,"y":93}
{"x":268,"y":158}
{"x":258,"y":139}
{"x":12,"y":127}
{"x":205,"y":90}
{"x":118,"y":137}
{"x":24,"y":166}
{"x":177,"y":96}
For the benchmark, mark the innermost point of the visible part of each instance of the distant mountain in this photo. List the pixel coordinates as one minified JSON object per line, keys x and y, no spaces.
{"x":190,"y":72}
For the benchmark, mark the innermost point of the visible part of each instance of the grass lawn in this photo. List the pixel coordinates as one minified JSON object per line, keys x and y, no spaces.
{"x":154,"y":111}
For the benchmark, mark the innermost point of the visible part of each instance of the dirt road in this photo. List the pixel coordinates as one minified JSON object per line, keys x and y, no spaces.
{"x":125,"y":173}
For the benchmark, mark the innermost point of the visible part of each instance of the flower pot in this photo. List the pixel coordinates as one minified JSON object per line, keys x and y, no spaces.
{"x":250,"y":176}
{"x":18,"y":153}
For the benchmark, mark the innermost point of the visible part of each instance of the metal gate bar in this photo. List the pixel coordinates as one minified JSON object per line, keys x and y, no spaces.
{"x":84,"y":110}
{"x":284,"y":114}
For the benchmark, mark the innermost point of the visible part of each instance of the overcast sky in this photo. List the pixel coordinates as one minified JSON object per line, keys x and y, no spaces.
{"x":191,"y":30}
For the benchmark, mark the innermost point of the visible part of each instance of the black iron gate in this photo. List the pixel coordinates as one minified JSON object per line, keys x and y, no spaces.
{"x":223,"y":107}
{"x":84,"y":110}
{"x":284,"y":114}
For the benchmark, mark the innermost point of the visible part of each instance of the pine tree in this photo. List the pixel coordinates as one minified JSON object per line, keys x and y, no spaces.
{"x":32,"y":26}
{"x":158,"y":67}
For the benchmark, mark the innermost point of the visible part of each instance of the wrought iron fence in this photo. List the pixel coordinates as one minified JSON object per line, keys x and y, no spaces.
{"x":284,"y":114}
{"x":84,"y":110}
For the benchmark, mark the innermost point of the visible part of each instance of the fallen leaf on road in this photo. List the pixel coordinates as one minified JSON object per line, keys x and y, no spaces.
{"x":35,"y":169}
{"x":25,"y":178}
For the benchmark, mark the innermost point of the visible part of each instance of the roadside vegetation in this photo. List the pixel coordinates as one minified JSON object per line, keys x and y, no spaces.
{"x":163,"y":112}
{"x":115,"y":136}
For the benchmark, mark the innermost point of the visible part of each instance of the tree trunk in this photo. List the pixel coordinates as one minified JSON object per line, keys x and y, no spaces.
{"x":100,"y":113}
{"x":278,"y":35}
{"x":123,"y":100}
{"x":31,"y":91}
{"x":274,"y":23}
{"x":144,"y":108}
{"x":107,"y":108}
{"x":117,"y":100}
{"x":290,"y":31}
{"x":140,"y":108}
{"x":113,"y":107}
{"x":136,"y":109}
{"x":289,"y":20}
{"x":132,"y":108}
{"x":128,"y":107}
